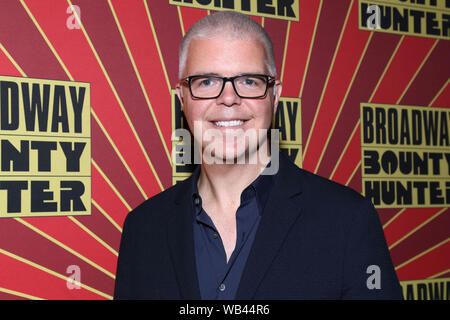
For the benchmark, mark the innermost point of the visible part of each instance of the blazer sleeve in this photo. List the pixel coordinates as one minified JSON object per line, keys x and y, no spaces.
{"x":122,"y":288}
{"x":368,"y":272}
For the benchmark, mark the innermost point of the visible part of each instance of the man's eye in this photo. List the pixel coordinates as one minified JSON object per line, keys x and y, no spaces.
{"x":249,"y":82}
{"x":206,"y":82}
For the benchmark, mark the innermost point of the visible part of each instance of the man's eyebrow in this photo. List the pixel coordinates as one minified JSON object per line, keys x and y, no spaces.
{"x":220,"y":75}
{"x":207,"y":74}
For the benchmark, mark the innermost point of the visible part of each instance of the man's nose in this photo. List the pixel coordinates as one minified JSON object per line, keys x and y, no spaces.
{"x":228,"y":96}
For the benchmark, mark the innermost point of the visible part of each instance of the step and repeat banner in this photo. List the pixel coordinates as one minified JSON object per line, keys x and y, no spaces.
{"x":87,"y":111}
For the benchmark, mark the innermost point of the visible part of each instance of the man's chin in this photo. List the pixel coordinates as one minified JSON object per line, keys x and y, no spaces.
{"x":220,"y":158}
{"x":230,"y":156}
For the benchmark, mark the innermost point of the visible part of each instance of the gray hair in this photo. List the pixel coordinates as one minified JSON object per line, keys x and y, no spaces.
{"x":228,"y":24}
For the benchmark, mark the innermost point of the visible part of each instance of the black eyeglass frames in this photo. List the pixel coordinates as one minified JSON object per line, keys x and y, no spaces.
{"x":245,"y":85}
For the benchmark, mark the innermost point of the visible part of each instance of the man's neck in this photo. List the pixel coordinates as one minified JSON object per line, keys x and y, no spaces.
{"x":224,"y":183}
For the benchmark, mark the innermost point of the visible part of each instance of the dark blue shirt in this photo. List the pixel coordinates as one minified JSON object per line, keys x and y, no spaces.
{"x":217,"y":278}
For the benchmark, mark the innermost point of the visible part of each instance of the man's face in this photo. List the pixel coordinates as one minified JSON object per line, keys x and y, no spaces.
{"x":228,"y":114}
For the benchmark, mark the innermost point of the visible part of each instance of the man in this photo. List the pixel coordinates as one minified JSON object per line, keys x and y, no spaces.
{"x":237,"y":229}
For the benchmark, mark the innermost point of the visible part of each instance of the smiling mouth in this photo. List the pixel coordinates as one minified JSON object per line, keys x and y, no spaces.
{"x":231,"y":123}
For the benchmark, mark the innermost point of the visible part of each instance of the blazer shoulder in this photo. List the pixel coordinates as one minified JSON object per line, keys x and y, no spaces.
{"x":326,"y":192}
{"x":157,"y":207}
{"x":329,"y":203}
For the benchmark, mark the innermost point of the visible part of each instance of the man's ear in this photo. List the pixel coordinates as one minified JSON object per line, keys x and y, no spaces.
{"x":277,"y":88}
{"x":179,"y":91}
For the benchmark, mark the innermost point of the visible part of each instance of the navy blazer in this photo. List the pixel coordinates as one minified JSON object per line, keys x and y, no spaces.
{"x":316,"y":240}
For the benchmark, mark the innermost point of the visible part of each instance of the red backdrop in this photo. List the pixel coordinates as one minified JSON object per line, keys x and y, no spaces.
{"x":128,"y":52}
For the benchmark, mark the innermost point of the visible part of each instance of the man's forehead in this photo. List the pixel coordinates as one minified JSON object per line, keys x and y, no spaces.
{"x":218,"y":55}
{"x":225,"y":41}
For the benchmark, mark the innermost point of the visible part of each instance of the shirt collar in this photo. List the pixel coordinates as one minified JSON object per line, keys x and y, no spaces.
{"x":263,"y":185}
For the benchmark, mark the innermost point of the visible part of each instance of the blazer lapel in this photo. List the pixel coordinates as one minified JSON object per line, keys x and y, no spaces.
{"x":181,"y":244}
{"x":281,"y":211}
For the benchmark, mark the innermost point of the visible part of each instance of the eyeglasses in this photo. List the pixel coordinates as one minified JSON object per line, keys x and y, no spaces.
{"x":245,"y":86}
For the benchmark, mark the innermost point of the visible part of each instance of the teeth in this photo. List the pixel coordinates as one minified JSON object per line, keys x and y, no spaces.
{"x":231,"y":123}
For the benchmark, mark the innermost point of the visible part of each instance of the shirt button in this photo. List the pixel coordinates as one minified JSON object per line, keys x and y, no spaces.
{"x":197,"y":201}
{"x":215,"y":235}
{"x":222,"y":287}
